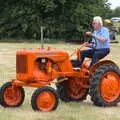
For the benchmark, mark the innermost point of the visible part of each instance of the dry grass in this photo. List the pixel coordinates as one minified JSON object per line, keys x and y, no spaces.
{"x":65,"y":111}
{"x":118,"y":37}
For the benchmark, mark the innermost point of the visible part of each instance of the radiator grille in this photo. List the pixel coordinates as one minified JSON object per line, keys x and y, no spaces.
{"x":21,"y":63}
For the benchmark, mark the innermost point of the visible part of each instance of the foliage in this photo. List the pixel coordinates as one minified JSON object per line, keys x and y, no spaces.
{"x":63,"y":19}
{"x":114,"y":13}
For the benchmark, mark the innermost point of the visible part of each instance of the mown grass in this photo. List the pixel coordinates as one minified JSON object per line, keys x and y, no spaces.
{"x":65,"y":111}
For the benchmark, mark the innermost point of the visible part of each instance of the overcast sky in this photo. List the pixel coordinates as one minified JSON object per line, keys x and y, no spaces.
{"x":114,"y":3}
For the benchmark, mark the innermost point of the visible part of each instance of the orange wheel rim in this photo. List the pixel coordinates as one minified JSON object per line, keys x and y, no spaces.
{"x":12,"y":96}
{"x":109,"y":87}
{"x":74,"y":89}
{"x":46,"y":101}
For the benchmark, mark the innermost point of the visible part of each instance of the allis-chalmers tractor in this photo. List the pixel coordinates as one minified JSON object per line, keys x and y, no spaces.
{"x":42,"y":67}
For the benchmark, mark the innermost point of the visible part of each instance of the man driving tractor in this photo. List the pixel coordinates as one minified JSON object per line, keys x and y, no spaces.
{"x":100,"y":43}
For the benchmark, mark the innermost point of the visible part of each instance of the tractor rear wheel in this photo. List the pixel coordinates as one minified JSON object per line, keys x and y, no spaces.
{"x":71,"y":90}
{"x":11,"y":96}
{"x":44,"y":99}
{"x":105,"y":85}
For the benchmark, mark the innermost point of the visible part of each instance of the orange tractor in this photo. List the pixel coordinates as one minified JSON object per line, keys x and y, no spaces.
{"x":42,"y":67}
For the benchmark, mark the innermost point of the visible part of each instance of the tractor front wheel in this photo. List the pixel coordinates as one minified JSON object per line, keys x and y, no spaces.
{"x":44,"y":99}
{"x":105,"y":86}
{"x":11,"y":96}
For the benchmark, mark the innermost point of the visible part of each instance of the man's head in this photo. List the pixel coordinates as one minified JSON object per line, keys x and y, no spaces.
{"x":97,"y":22}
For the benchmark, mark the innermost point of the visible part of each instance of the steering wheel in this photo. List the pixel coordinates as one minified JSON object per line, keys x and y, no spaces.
{"x":93,"y":41}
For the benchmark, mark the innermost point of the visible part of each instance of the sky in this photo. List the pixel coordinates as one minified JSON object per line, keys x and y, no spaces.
{"x":114,"y":3}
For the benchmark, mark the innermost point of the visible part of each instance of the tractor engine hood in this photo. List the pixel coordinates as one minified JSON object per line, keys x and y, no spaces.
{"x":26,"y":58}
{"x":54,"y":54}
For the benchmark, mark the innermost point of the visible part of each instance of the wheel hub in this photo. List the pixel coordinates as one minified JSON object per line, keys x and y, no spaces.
{"x":46,"y":101}
{"x":74,"y":88}
{"x":12,"y":96}
{"x":110,"y":86}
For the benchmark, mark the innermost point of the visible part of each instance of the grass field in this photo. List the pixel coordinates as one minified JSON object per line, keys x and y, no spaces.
{"x":65,"y":111}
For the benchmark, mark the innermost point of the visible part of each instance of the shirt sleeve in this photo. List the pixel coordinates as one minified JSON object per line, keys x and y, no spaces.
{"x":105,"y":34}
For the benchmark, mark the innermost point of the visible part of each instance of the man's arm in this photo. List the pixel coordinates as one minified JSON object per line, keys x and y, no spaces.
{"x":104,"y":35}
{"x":102,"y":39}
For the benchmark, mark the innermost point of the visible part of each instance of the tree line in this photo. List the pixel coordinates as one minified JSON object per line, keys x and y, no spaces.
{"x":114,"y":13}
{"x":62,"y":19}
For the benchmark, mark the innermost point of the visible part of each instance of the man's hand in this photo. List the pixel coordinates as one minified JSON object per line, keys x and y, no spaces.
{"x":87,"y":44}
{"x":89,"y":34}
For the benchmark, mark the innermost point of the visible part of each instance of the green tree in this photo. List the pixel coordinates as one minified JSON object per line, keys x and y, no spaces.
{"x":114,"y":13}
{"x":67,"y":19}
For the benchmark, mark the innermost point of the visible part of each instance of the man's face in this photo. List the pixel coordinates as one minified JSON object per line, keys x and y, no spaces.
{"x":96,"y":25}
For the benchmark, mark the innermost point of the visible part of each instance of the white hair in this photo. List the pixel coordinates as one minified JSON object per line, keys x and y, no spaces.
{"x":98,"y":19}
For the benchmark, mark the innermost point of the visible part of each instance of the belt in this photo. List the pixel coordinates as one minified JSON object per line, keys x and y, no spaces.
{"x":103,"y":49}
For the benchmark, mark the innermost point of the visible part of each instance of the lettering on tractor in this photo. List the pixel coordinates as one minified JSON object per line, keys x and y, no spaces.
{"x":42,"y":67}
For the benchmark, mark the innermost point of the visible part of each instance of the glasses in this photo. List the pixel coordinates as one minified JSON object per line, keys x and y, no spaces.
{"x":93,"y":23}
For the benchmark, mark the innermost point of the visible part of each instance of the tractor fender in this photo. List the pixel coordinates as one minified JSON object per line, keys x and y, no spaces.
{"x":96,"y":65}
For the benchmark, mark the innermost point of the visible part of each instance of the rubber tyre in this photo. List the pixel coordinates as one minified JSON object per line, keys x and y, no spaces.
{"x":61,"y":88}
{"x":2,"y":98}
{"x":95,"y":82}
{"x":62,"y":92}
{"x":37,"y":92}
